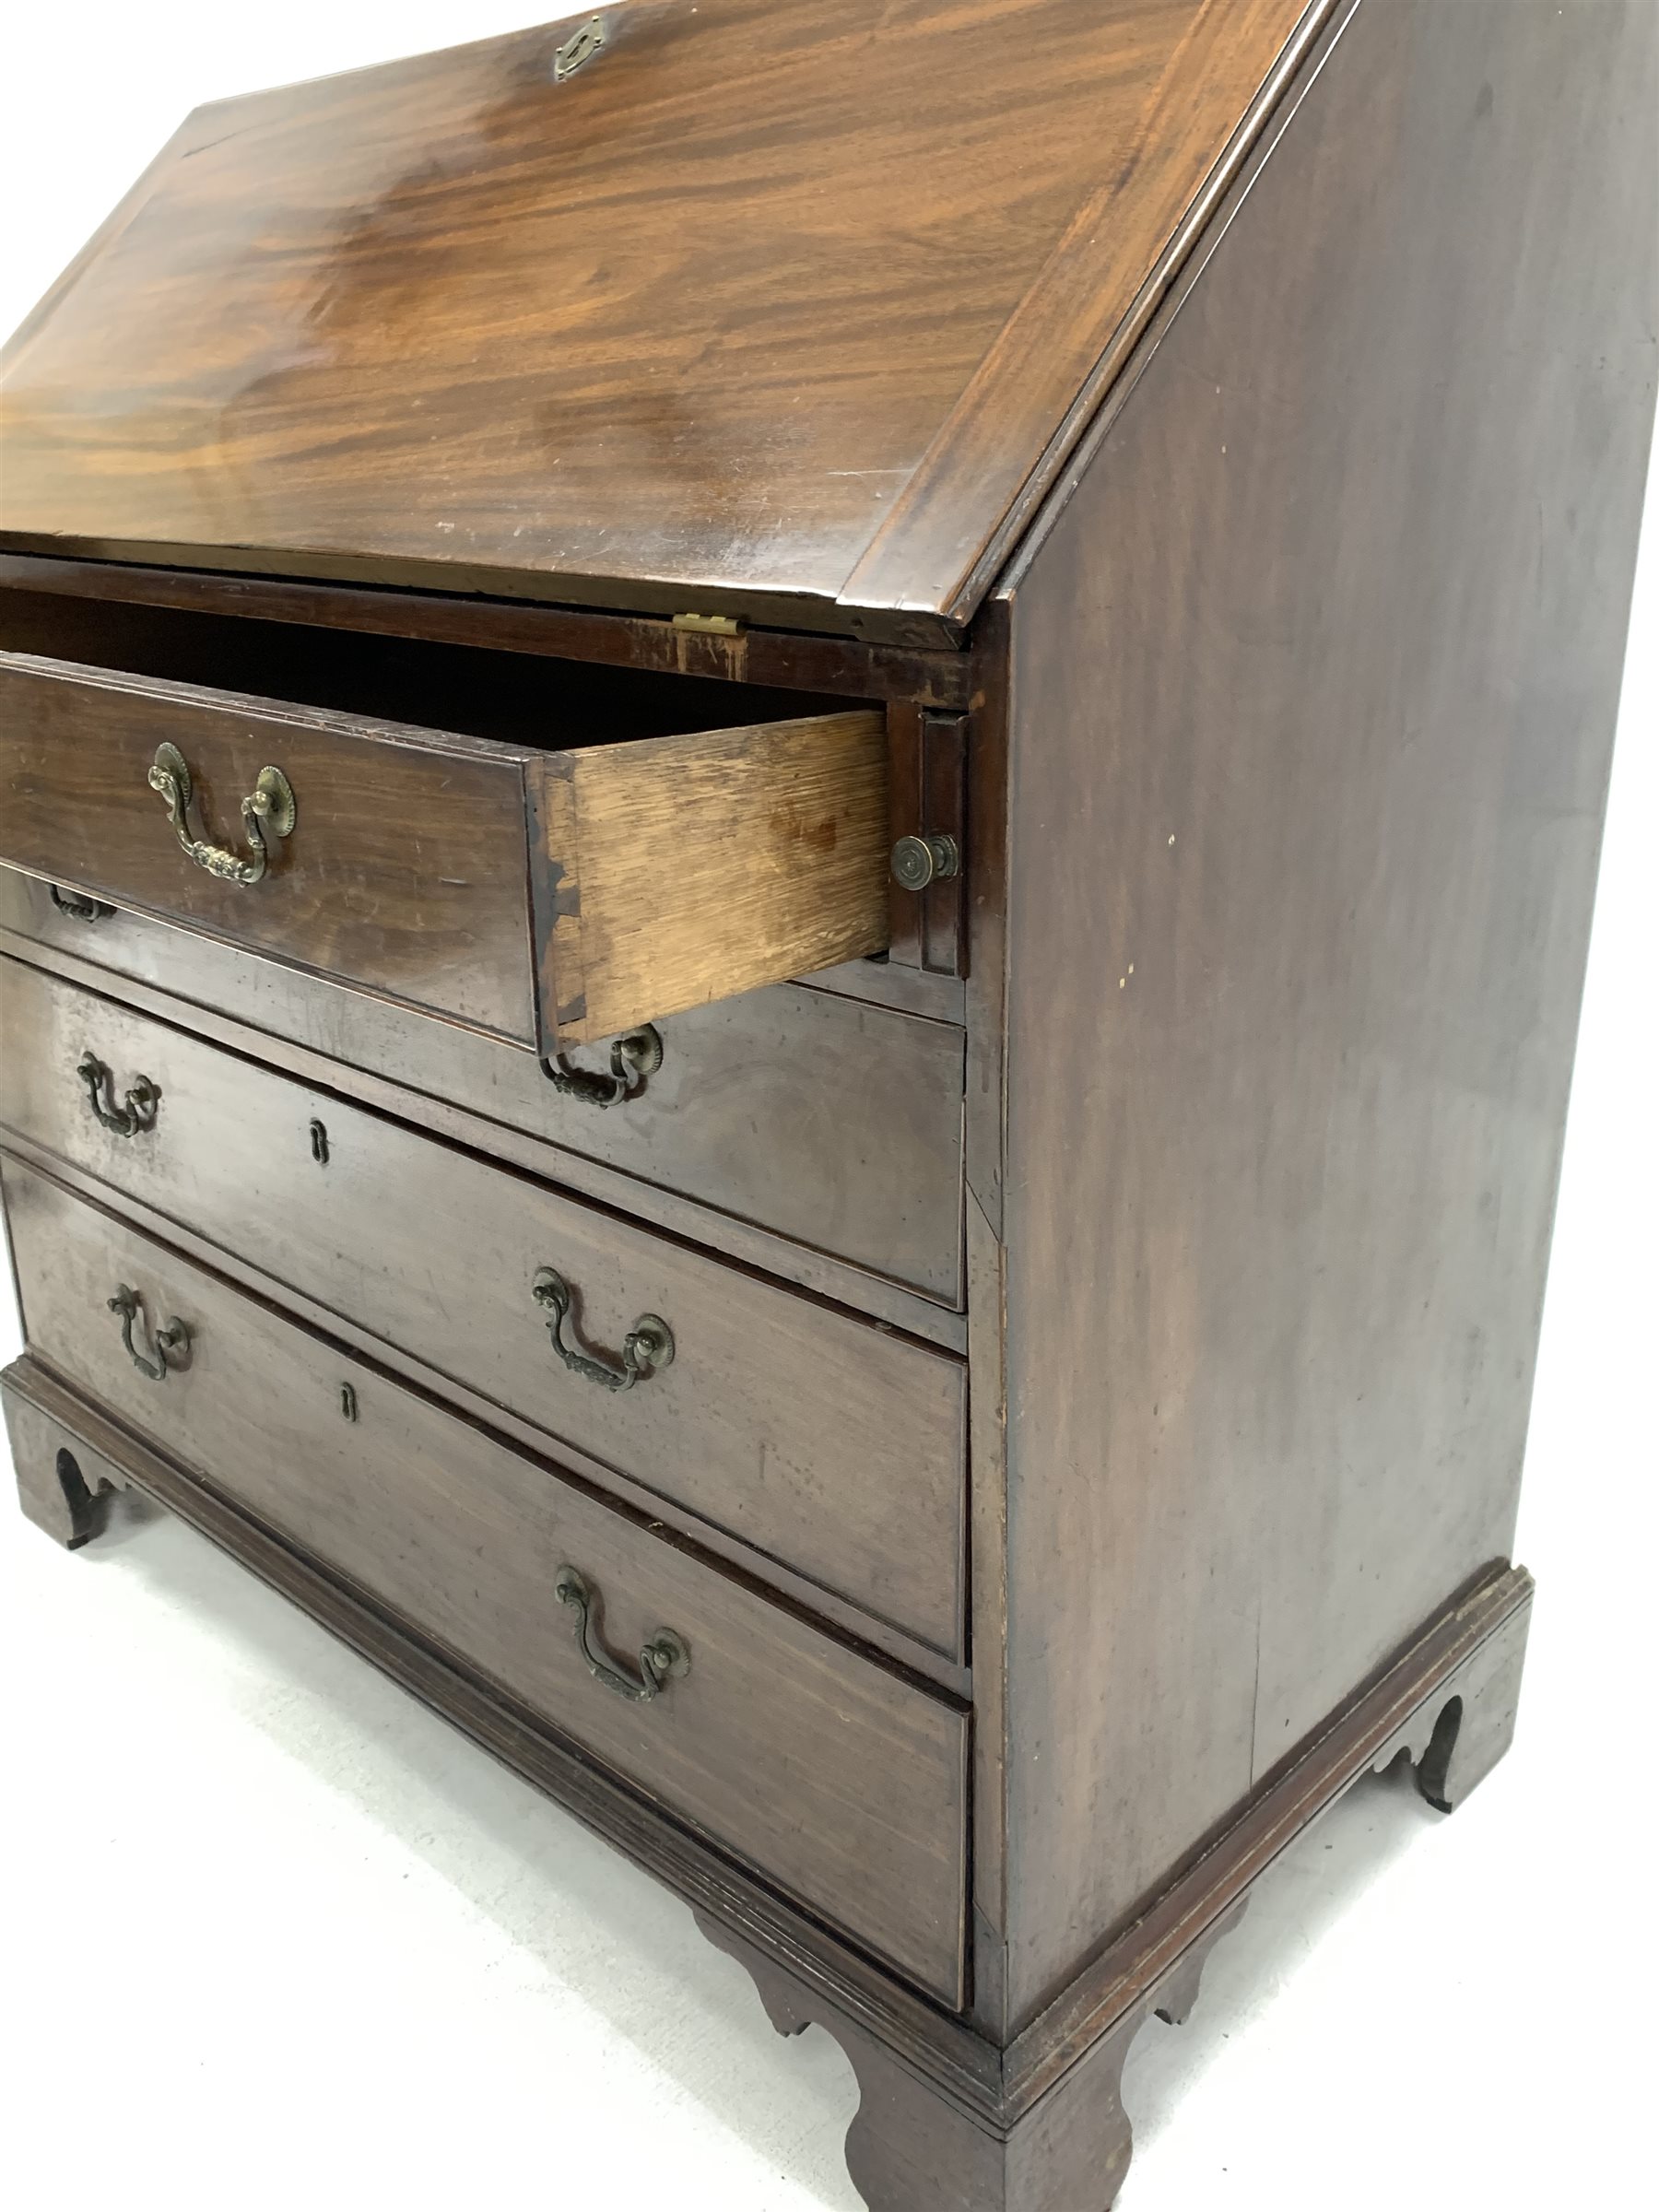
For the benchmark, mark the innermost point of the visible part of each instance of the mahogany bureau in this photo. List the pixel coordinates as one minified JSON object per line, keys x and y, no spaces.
{"x":799,"y":813}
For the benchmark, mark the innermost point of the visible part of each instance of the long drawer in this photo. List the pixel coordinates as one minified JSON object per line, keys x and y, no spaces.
{"x":831,"y":1123}
{"x":553,"y":894}
{"x":841,"y":1781}
{"x":827,"y":1444}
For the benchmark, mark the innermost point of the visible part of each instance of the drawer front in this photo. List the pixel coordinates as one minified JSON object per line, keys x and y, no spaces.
{"x":555,"y":897}
{"x":842,"y":1784}
{"x":405,"y":871}
{"x":825,"y":1443}
{"x":834,"y":1123}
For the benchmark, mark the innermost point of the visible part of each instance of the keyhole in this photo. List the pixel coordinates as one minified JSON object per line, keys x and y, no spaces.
{"x":319,"y":1143}
{"x":580,"y":47}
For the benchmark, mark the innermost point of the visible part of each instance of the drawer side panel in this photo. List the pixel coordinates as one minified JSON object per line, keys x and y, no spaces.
{"x":677,"y":870}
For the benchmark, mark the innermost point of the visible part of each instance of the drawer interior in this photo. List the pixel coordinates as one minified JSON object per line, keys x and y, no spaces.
{"x":512,"y":697}
{"x":548,"y":851}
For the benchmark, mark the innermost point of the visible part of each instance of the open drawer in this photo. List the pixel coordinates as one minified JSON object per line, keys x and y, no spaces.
{"x":550,"y":894}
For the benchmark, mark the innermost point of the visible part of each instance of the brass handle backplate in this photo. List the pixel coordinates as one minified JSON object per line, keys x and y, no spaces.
{"x":138,"y":1111}
{"x":633,"y":1059}
{"x":663,"y":1660}
{"x":268,"y":813}
{"x":648,"y":1345}
{"x":172,"y":1340}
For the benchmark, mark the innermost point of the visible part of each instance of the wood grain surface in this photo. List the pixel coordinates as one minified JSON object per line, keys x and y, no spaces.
{"x":1466,"y":1658}
{"x":840,"y":1781}
{"x":805,"y":663}
{"x":1058,"y":2137}
{"x":665,"y":872}
{"x":673,"y":871}
{"x":518,"y":673}
{"x":831,"y":1123}
{"x":1307,"y":788}
{"x":776,"y":304}
{"x":406,"y":872}
{"x":817,"y":1440}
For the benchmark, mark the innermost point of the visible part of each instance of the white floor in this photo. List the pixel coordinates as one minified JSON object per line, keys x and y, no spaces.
{"x":270,"y":1934}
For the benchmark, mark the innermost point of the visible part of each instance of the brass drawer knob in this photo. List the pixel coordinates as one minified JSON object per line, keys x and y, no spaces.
{"x":648,"y":1345}
{"x":138,"y":1111}
{"x":665,"y":1659}
{"x":268,"y":813}
{"x":919,"y":861}
{"x":172,"y":1340}
{"x":633,"y":1059}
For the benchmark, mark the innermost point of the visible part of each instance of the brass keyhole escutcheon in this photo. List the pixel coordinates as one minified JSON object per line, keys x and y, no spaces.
{"x":579,"y":49}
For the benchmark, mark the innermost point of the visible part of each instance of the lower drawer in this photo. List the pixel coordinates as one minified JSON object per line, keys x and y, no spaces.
{"x":830,"y":1775}
{"x":816,"y":1118}
{"x":829,"y":1446}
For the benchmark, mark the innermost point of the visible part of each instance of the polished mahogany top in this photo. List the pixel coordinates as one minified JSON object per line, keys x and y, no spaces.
{"x":788,"y":307}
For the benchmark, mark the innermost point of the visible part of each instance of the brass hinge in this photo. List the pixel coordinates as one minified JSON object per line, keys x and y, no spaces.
{"x":717,"y":625}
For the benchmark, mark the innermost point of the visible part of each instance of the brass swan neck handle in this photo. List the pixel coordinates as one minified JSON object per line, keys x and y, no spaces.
{"x":136,"y":1111}
{"x":648,"y":1345}
{"x":172,"y":1340}
{"x":78,"y":905}
{"x":633,"y":1060}
{"x":663,"y":1660}
{"x":268,"y":815}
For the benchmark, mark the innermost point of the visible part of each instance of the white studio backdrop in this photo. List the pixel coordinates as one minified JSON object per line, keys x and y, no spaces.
{"x":274,"y":1934}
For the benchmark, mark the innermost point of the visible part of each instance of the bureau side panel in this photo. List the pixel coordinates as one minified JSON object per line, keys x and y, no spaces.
{"x":1315,"y":681}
